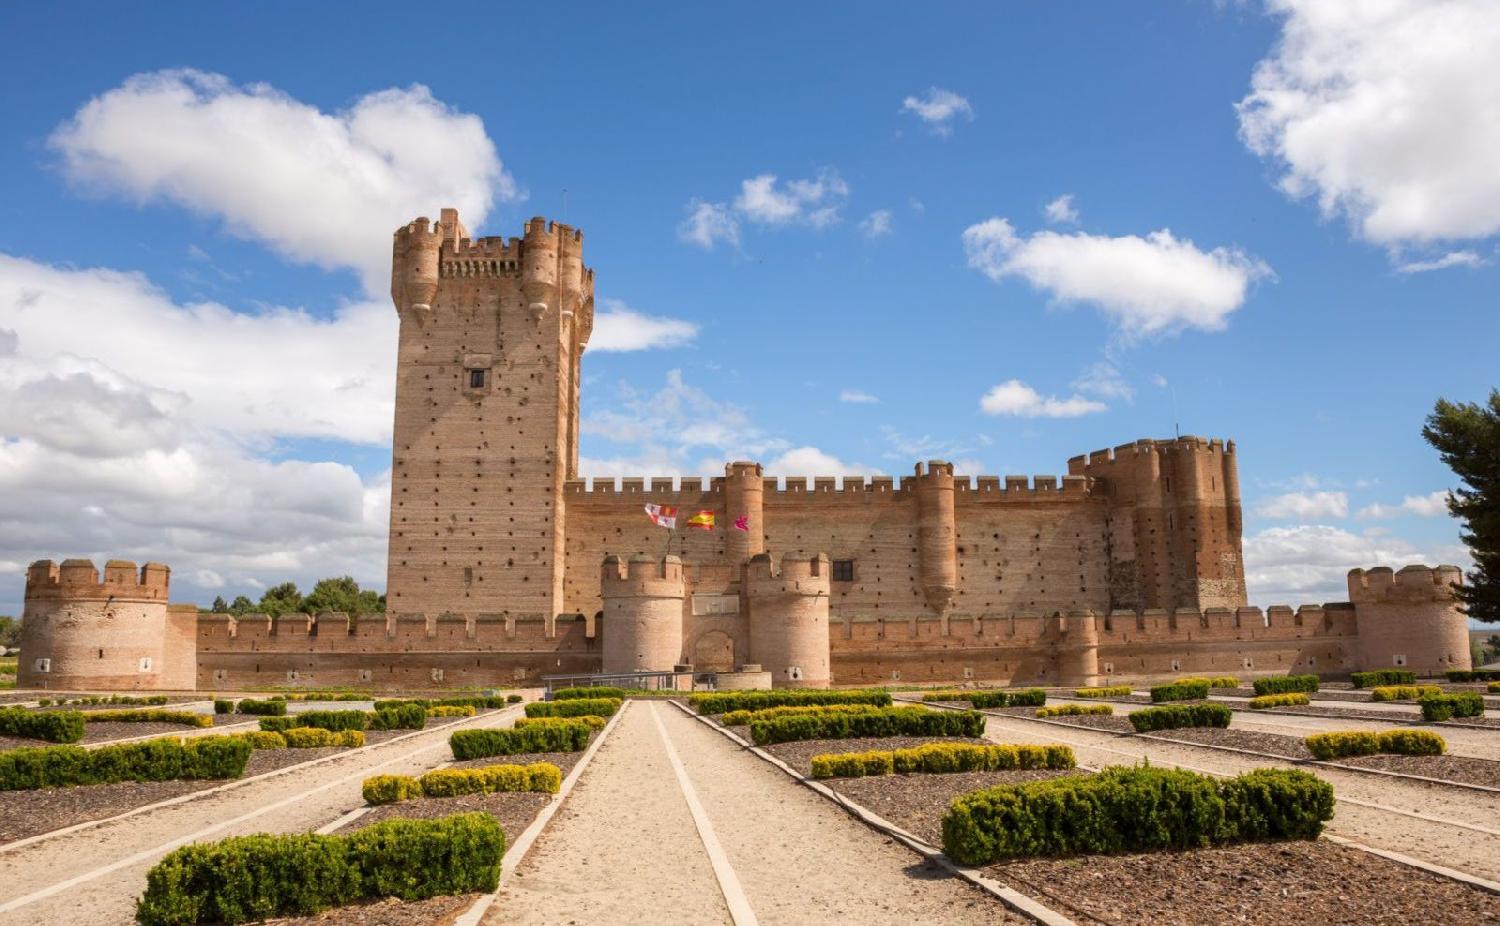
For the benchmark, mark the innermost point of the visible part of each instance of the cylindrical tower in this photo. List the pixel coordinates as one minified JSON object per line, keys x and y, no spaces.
{"x":937,"y":550}
{"x":744,"y":495}
{"x":80,"y":633}
{"x":414,"y":266}
{"x":789,"y":618}
{"x":642,"y":613}
{"x":1076,"y":652}
{"x":1410,"y":619}
{"x":540,"y":266}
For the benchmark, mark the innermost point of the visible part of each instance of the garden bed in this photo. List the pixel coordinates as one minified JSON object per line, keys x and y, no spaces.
{"x":1109,"y":723}
{"x":1448,"y":768}
{"x":1282,"y":882}
{"x":514,"y":809}
{"x":31,"y":813}
{"x":799,"y":754}
{"x":1274,"y":743}
{"x":435,"y":911}
{"x":563,"y":760}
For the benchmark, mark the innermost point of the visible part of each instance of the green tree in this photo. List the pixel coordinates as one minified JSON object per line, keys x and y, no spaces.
{"x":241,"y":606}
{"x":220,"y":606}
{"x":1467,"y":437}
{"x":343,"y":594}
{"x":280,"y":599}
{"x":10,"y":631}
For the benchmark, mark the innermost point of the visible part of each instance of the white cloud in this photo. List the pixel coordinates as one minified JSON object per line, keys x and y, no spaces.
{"x":1388,"y":113}
{"x":620,"y":328}
{"x":810,"y":461}
{"x":1152,"y":285}
{"x":1431,"y":505}
{"x":1159,"y":381}
{"x":1061,"y":210}
{"x":814,"y":202}
{"x":320,"y":188}
{"x":708,"y":223}
{"x":1309,"y":562}
{"x":876,"y":224}
{"x":1451,"y":259}
{"x":857,"y":397}
{"x":1305,"y":505}
{"x":938,"y":108}
{"x":1015,"y":398}
{"x":1103,"y":379}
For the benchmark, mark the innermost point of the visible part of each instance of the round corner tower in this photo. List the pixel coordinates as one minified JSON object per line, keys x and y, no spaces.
{"x":78,"y":632}
{"x":1410,"y":619}
{"x":1075,"y":647}
{"x":937,"y":534}
{"x":789,"y":618}
{"x":642,"y":613}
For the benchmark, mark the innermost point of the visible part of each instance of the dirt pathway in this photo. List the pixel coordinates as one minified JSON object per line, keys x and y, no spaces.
{"x":94,"y":875}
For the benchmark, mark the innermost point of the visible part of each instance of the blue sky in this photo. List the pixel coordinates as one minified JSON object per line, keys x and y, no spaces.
{"x":822,"y":237}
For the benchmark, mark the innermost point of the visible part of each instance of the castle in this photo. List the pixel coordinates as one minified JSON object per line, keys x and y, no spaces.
{"x":505,"y":566}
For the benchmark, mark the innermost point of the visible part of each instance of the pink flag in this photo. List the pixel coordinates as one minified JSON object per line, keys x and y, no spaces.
{"x":742,"y":523}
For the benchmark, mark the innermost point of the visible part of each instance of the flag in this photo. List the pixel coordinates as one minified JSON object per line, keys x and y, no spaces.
{"x":662,"y":516}
{"x":703,"y":520}
{"x":742,"y":523}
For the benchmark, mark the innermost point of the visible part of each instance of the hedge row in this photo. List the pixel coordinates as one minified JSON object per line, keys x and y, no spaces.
{"x":186,"y":718}
{"x":101,"y":699}
{"x":479,"y":703}
{"x":246,"y":878}
{"x":165,"y":759}
{"x":1404,"y":692}
{"x":52,"y":726}
{"x":557,"y":737}
{"x":1281,"y":684}
{"x":1473,"y":675}
{"x":1173,"y":716}
{"x":324,"y":720}
{"x":1074,"y":710}
{"x":593,"y":722}
{"x":738,"y":718}
{"x":1444,"y":707}
{"x":405,"y":717}
{"x":598,"y":707}
{"x":1107,"y":691}
{"x":998,"y":697}
{"x":1494,"y":687}
{"x":543,"y":777}
{"x":1289,"y":699}
{"x":722,"y":702}
{"x":894,"y":721}
{"x":1400,"y":742}
{"x":1134,"y":810}
{"x":317,"y":737}
{"x":942,"y":758}
{"x":1215,"y":681}
{"x":261,"y":739}
{"x":604,"y":691}
{"x":1184,"y":690}
{"x":1383,"y":677}
{"x":261,"y":708}
{"x":450,"y":710}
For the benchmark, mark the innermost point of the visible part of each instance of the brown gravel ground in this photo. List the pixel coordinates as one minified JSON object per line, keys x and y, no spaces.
{"x":916,"y":802}
{"x":514,"y":809}
{"x":1414,"y":716}
{"x":436,"y":911}
{"x":1110,"y":723}
{"x":799,"y":755}
{"x":1449,"y":768}
{"x":1290,"y":882}
{"x":31,"y":813}
{"x":1290,"y":746}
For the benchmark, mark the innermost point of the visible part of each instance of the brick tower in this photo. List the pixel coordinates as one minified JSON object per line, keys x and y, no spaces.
{"x":486,"y":427}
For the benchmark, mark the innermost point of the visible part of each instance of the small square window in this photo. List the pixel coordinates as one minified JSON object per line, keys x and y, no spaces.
{"x":477,"y":378}
{"x":843,"y":570}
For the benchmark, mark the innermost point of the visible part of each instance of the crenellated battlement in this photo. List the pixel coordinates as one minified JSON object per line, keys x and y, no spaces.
{"x":1132,"y":452}
{"x":78,"y":580}
{"x":696,"y":490}
{"x":1413,"y":583}
{"x":792,"y":574}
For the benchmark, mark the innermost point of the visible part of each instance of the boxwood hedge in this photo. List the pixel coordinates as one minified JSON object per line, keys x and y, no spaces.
{"x":558,"y":737}
{"x":894,"y":721}
{"x":1289,"y":699}
{"x":402,"y":717}
{"x":593,"y":722}
{"x":1444,"y":707}
{"x":940,"y":758}
{"x":738,"y":718}
{"x":186,"y":718}
{"x":1365,"y":743}
{"x":165,"y":759}
{"x":598,"y":707}
{"x":1183,"y":690}
{"x":1280,"y":684}
{"x":246,"y":878}
{"x":52,"y":726}
{"x":273,"y":708}
{"x":604,"y":691}
{"x":1383,"y":677}
{"x":1473,"y":675}
{"x":992,"y":698}
{"x":1107,"y":691}
{"x":1074,"y":710}
{"x":1404,"y":692}
{"x":1173,"y":716}
{"x":317,"y":737}
{"x":721,"y":702}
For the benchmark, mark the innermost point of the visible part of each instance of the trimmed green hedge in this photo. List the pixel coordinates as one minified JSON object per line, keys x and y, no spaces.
{"x":1404,"y":692}
{"x":449,"y":782}
{"x":126,"y":700}
{"x":1139,"y":809}
{"x":1173,"y":716}
{"x":1074,"y":710}
{"x":1494,"y":687}
{"x":223,"y":706}
{"x":894,"y":721}
{"x":1107,"y":691}
{"x":404,"y":717}
{"x":593,"y":722}
{"x":164,"y":759}
{"x":479,"y":703}
{"x":52,"y":726}
{"x":1473,"y":675}
{"x":323,"y":720}
{"x":1383,"y":677}
{"x":390,"y":789}
{"x":943,"y":758}
{"x":317,"y":737}
{"x":1223,"y":681}
{"x":450,"y":710}
{"x":1184,"y":690}
{"x":1363,"y":743}
{"x":1281,"y":684}
{"x":480,"y":744}
{"x":992,"y":698}
{"x":246,"y":878}
{"x":738,"y":718}
{"x":599,"y":707}
{"x":513,"y":699}
{"x":1444,"y":707}
{"x":261,"y":708}
{"x":261,"y":739}
{"x":604,"y":691}
{"x":1289,"y":699}
{"x":719,"y":703}
{"x":186,"y":718}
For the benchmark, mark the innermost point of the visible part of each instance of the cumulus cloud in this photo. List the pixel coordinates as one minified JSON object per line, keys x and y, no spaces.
{"x":857,"y":397}
{"x":1153,"y":285}
{"x":1387,"y":114}
{"x":320,"y":188}
{"x":1103,"y":379}
{"x":1305,"y":505}
{"x":810,"y":461}
{"x":876,"y":224}
{"x":620,"y":328}
{"x":938,"y":108}
{"x":1016,"y":399}
{"x":1309,"y":562}
{"x":1431,"y":505}
{"x":814,"y":202}
{"x":1451,"y":259}
{"x":1061,"y":210}
{"x":709,"y":223}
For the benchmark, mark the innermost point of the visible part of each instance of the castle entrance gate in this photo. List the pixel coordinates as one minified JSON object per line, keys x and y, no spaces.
{"x":714,"y":652}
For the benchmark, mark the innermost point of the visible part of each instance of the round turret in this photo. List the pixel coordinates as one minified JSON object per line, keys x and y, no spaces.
{"x":744,"y":497}
{"x":789,"y":618}
{"x":79,"y":632}
{"x":1409,"y":619}
{"x":937,"y":535}
{"x":414,"y":266}
{"x":642,"y":613}
{"x":1075,"y":646}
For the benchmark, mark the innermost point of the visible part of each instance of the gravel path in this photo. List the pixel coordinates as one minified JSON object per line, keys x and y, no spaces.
{"x":93,"y":876}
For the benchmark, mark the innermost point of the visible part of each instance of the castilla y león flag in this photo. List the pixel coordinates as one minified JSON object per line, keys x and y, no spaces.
{"x":662,"y":516}
{"x":703,"y":520}
{"x":742,"y":523}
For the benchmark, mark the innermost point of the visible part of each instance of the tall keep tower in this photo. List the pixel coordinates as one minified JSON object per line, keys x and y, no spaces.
{"x":486,"y":430}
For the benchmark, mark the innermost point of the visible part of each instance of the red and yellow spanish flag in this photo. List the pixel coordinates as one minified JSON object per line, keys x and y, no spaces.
{"x":703,"y":520}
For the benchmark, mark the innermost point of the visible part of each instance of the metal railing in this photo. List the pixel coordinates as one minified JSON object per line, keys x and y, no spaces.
{"x":647,"y":681}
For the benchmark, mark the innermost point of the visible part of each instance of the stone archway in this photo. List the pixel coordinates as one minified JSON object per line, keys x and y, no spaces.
{"x":713,"y":652}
